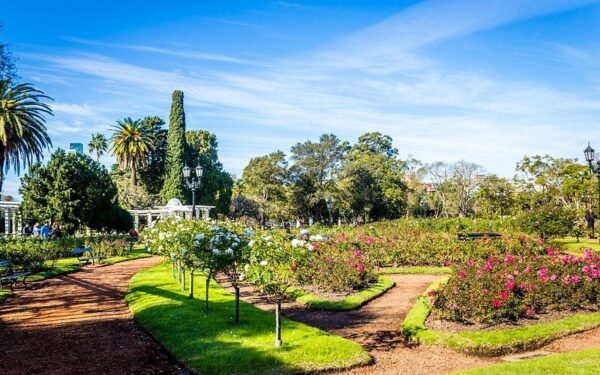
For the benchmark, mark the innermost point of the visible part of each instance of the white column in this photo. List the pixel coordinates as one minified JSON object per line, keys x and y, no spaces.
{"x":136,"y":219}
{"x":14,"y":222}
{"x":149,"y":218}
{"x":6,"y":220}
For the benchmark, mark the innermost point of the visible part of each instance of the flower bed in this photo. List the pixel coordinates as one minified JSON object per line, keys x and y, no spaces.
{"x":517,"y":287}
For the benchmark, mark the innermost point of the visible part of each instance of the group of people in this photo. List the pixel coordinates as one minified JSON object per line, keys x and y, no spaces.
{"x":44,"y":231}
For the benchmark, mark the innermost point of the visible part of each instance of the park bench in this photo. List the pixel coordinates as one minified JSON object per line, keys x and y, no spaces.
{"x":9,"y":275}
{"x":477,"y":236}
{"x":85,"y":255}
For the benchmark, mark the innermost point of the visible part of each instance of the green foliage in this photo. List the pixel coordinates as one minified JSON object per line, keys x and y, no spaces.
{"x":548,"y":221}
{"x":512,"y":288}
{"x":216,"y":186}
{"x":23,"y":135}
{"x":174,"y":186}
{"x":153,"y":171}
{"x":98,"y":145}
{"x":73,"y":191}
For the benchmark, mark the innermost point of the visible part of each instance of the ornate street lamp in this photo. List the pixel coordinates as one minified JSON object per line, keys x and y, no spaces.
{"x":589,"y":157}
{"x":193,"y":183}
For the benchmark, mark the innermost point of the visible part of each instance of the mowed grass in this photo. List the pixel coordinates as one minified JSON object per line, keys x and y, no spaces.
{"x":68,"y":265}
{"x":211,"y":344}
{"x":576,"y":363}
{"x":577,"y":248}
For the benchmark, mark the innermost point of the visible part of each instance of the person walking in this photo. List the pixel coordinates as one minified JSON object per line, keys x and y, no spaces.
{"x":36,"y":230}
{"x":44,"y":231}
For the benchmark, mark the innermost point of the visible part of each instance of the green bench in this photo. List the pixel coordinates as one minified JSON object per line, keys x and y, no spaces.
{"x":10,"y":276}
{"x":85,"y":255}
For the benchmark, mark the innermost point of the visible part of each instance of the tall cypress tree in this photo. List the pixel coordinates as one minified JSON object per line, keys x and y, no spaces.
{"x":173,"y":187}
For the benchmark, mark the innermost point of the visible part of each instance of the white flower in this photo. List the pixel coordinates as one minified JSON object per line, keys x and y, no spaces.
{"x":268,"y":238}
{"x":216,"y":251}
{"x":161,"y":236}
{"x":251,"y":243}
{"x":310,"y":247}
{"x":249,"y":233}
{"x":297,"y":242}
{"x":246,"y":267}
{"x":229,"y":251}
{"x":242,"y":276}
{"x":215,"y":228}
{"x":160,"y":248}
{"x":304,"y":232}
{"x":318,"y":237}
{"x":264,"y":263}
{"x":196,"y":243}
{"x":200,"y":237}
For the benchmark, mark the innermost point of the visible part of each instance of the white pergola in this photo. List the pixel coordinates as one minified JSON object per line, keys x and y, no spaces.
{"x":173,"y":208}
{"x":12,"y":217}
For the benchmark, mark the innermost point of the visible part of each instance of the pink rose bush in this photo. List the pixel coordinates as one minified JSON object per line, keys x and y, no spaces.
{"x":512,"y":287}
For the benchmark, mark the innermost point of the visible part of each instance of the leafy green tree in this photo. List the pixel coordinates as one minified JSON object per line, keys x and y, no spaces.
{"x":23,"y":135}
{"x":8,"y":70}
{"x":216,"y":187}
{"x":152,"y":174}
{"x":265,"y":179}
{"x":318,"y":164}
{"x":548,"y":221}
{"x":74,"y":191}
{"x":495,"y":197}
{"x":174,"y":185}
{"x":131,"y":144}
{"x":98,"y":145}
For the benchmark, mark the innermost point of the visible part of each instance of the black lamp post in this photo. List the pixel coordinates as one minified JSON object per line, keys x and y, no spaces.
{"x":589,"y":157}
{"x":193,"y":183}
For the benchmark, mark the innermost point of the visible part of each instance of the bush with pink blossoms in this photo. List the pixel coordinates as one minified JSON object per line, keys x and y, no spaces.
{"x":512,"y":287}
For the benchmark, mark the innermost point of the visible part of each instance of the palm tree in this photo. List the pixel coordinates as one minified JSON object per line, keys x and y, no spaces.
{"x":98,"y":144}
{"x":131,"y":143}
{"x":23,"y":135}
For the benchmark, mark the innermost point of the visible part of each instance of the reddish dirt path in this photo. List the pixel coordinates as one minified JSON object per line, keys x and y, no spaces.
{"x":79,"y":324}
{"x":376,"y":326}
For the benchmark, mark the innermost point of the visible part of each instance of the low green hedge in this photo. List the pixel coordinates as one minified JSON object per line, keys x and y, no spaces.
{"x":493,"y":342}
{"x":351,"y":302}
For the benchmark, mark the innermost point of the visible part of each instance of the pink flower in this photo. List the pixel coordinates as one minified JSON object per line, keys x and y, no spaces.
{"x":504,"y":295}
{"x":432,"y":293}
{"x":510,"y":285}
{"x":496,"y":303}
{"x":529,"y":311}
{"x":461,"y":274}
{"x":542,"y":272}
{"x":360,"y":268}
{"x":485,"y":292}
{"x":488,"y":266}
{"x":471,"y":262}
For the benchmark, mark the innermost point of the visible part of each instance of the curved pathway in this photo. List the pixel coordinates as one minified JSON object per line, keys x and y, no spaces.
{"x":79,"y":324}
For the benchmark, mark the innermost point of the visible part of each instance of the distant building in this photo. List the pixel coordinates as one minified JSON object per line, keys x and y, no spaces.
{"x":76,"y":147}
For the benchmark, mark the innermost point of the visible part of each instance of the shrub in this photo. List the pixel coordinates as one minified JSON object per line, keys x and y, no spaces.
{"x":513,"y":287}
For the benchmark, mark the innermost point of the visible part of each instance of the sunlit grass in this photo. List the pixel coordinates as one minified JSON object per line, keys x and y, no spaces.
{"x":211,"y":344}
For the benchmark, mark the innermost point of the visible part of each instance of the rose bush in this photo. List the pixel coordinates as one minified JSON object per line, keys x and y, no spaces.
{"x":513,"y":287}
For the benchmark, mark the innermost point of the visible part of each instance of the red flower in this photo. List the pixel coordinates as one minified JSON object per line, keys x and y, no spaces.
{"x":461,"y":274}
{"x":504,"y":295}
{"x":510,"y":285}
{"x":496,"y":303}
{"x":432,"y":293}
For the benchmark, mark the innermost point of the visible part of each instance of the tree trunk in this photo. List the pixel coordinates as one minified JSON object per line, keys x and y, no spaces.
{"x":206,"y":296}
{"x":134,"y":177}
{"x":191,"y":283}
{"x":278,"y":341}
{"x":2,"y":160}
{"x":183,"y":278}
{"x":236,"y":319}
{"x":173,"y":268}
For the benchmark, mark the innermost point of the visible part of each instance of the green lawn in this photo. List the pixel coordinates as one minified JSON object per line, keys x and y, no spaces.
{"x":68,"y":265}
{"x":572,"y":246}
{"x":211,"y":344}
{"x":351,"y":302}
{"x":576,"y":363}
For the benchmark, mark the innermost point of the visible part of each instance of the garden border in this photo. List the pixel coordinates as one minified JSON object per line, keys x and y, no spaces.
{"x":495,"y":342}
{"x":353,"y":301}
{"x":416,"y":270}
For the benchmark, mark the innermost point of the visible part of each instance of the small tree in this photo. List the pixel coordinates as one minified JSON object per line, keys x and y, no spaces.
{"x":270,"y":271}
{"x":548,"y":221}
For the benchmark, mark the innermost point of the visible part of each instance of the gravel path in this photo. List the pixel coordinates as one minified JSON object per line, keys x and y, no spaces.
{"x":79,"y":324}
{"x":376,"y":326}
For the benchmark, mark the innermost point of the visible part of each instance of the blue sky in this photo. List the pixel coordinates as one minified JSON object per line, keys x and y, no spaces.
{"x":483,"y":81}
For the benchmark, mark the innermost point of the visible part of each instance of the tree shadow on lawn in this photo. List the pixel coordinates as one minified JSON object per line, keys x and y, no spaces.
{"x":210,"y":343}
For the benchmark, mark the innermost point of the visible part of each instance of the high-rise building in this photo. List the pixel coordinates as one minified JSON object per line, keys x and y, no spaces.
{"x":76,"y":147}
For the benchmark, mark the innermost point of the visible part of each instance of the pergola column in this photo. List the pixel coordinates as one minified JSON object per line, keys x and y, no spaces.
{"x":136,"y":219}
{"x":14,"y":222}
{"x":6,"y":220}
{"x":149,"y":218}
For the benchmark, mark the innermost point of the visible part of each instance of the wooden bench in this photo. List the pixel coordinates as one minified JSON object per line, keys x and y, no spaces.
{"x":81,"y":252}
{"x":477,"y":236}
{"x":8,"y":274}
